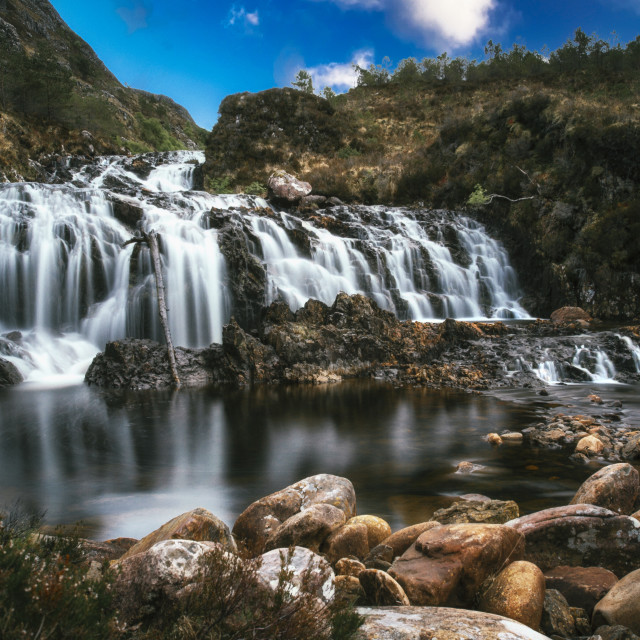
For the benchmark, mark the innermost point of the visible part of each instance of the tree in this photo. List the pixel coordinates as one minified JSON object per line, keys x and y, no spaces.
{"x":303,"y":81}
{"x":328,"y":93}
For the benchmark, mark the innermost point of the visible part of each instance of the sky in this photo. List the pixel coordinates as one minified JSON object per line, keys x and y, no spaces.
{"x":199,"y":51}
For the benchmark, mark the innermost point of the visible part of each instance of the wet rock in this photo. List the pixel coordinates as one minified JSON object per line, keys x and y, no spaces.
{"x":303,"y":568}
{"x":349,"y":567}
{"x":258,"y":521}
{"x":199,"y":524}
{"x":127,"y":210}
{"x":349,"y":540}
{"x":615,"y":632}
{"x":557,"y":619}
{"x":468,"y":467}
{"x":590,"y":446}
{"x":582,"y":586}
{"x":426,"y":623}
{"x":613,"y":487}
{"x":631,"y":449}
{"x":621,"y":605}
{"x":284,"y":186}
{"x":494,"y":439}
{"x":377,"y":528}
{"x":381,"y":589}
{"x":9,"y":374}
{"x":513,"y":437}
{"x":401,"y":540}
{"x":517,"y":592}
{"x":446,"y":565}
{"x":571,"y":314}
{"x":492,"y":512}
{"x":581,"y":535}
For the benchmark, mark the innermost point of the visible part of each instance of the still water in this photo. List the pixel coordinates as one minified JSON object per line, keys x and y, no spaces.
{"x":124,"y":463}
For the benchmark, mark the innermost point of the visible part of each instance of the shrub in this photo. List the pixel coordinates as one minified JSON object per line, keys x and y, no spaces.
{"x":256,"y":189}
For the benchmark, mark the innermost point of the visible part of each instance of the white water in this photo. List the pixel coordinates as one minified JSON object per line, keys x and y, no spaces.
{"x":635,"y":350}
{"x":69,"y":286}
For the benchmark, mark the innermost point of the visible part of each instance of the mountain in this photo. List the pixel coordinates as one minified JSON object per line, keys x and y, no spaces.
{"x":542,"y":151}
{"x":57,"y":97}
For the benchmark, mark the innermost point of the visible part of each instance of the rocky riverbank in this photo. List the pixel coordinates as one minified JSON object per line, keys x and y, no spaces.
{"x":474,"y":570}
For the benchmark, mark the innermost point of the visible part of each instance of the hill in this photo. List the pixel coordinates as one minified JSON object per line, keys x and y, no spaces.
{"x":56,"y":96}
{"x":544,"y":152}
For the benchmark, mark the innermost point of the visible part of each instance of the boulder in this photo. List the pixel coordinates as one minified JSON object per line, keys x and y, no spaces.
{"x":631,"y":448}
{"x":349,"y":567}
{"x":262,"y":518}
{"x":302,"y":567}
{"x":381,"y":552}
{"x":377,"y":528}
{"x":401,"y":540}
{"x":557,"y":619}
{"x":349,"y":540}
{"x":571,"y":314}
{"x":581,"y":535}
{"x":309,"y":528}
{"x":423,"y":623}
{"x":9,"y":374}
{"x":582,"y":586}
{"x":614,"y":487}
{"x":284,"y":186}
{"x":447,"y":564}
{"x":199,"y":524}
{"x":381,"y":589}
{"x":491,"y":512}
{"x":590,"y":446}
{"x":349,"y":591}
{"x":621,"y":605}
{"x":517,"y":592}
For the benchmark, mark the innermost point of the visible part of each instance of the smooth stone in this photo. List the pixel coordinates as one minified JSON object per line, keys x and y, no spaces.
{"x":349,"y":540}
{"x":349,"y":567}
{"x":621,"y":605}
{"x":377,"y":528}
{"x":517,"y":592}
{"x":441,"y":623}
{"x":381,"y":589}
{"x":583,"y":587}
{"x":613,"y":487}
{"x":590,"y":446}
{"x":402,"y":539}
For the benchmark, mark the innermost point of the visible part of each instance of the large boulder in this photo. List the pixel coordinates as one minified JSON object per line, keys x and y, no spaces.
{"x":490,"y":512}
{"x":198,"y":524}
{"x":284,"y":186}
{"x":9,"y":374}
{"x":349,"y":540}
{"x":377,"y":528}
{"x":582,"y":586}
{"x":401,"y":540}
{"x":571,"y":314}
{"x":517,"y":592}
{"x":581,"y":535}
{"x":446,"y":565}
{"x":261,"y":519}
{"x":621,"y":606}
{"x":613,"y":487}
{"x":418,"y":623}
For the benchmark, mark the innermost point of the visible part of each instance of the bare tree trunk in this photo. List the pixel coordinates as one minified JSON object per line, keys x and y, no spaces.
{"x":151,"y":240}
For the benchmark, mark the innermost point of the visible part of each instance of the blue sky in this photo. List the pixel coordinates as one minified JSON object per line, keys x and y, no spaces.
{"x":199,"y":51}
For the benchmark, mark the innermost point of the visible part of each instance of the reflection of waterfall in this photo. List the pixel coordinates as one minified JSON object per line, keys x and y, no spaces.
{"x":68,"y":284}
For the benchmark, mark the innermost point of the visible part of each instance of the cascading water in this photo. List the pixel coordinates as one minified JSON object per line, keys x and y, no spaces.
{"x":68,"y":283}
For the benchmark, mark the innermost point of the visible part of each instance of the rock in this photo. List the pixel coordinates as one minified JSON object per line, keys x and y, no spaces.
{"x":493,"y":512}
{"x":447,"y":564}
{"x":9,"y":374}
{"x":442,"y":623}
{"x":517,"y":592}
{"x":381,"y":589}
{"x":590,"y":446}
{"x":581,"y":535}
{"x":199,"y":524}
{"x":260,"y":519}
{"x":349,"y":591}
{"x":557,"y":619}
{"x":494,"y":439}
{"x":349,"y":567}
{"x":582,"y":586}
{"x":631,"y":449}
{"x":303,"y":567}
{"x":349,"y":540}
{"x":93,"y":551}
{"x":468,"y":467}
{"x":581,"y":621}
{"x":284,"y":186}
{"x":614,"y":487}
{"x":474,"y":497}
{"x":334,"y":202}
{"x":616,"y":632}
{"x":309,"y":528}
{"x":514,"y":437}
{"x":377,"y":528}
{"x":381,"y":552}
{"x":621,"y":605}
{"x":401,"y":540}
{"x":571,"y":314}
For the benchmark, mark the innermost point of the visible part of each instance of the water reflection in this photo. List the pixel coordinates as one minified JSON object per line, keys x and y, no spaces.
{"x":127,"y":462}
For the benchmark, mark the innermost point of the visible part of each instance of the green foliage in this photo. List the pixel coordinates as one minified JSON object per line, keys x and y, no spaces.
{"x":375,"y":75}
{"x":256,"y":189}
{"x":348,"y":152}
{"x":328,"y":93}
{"x":478,"y":197}
{"x":155,"y":134}
{"x":217,"y":184}
{"x":303,"y":81}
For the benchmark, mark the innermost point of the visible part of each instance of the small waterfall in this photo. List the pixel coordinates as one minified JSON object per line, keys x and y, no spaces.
{"x":635,"y":350}
{"x":548,"y":372}
{"x":595,"y":363}
{"x":68,"y":284}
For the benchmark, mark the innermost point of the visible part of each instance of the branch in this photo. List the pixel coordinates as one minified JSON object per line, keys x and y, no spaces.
{"x":497,"y":195}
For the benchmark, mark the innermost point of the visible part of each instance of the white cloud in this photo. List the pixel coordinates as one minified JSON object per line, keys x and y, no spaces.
{"x":340,"y":75}
{"x":135,"y":16}
{"x":241,"y":17}
{"x":452,"y":23}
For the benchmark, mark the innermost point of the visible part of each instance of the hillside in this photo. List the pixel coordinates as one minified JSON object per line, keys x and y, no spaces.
{"x":56,"y":96}
{"x":557,"y":146}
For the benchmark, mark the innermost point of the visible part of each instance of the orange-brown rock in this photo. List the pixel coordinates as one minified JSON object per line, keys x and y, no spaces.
{"x":401,"y":540}
{"x":199,"y":525}
{"x":349,"y":540}
{"x":583,"y":587}
{"x":377,"y":528}
{"x":381,"y":589}
{"x":517,"y":592}
{"x":621,"y":605}
{"x":571,"y":314}
{"x":590,"y":446}
{"x":349,"y":567}
{"x":613,"y":487}
{"x":447,"y":564}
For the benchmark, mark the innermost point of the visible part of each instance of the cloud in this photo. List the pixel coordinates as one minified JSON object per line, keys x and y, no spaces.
{"x":135,"y":16}
{"x":241,"y":17}
{"x":340,"y":75}
{"x":453,"y":23}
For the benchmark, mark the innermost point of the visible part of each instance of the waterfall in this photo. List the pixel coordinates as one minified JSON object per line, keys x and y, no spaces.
{"x":601,"y":368}
{"x":68,"y":284}
{"x":635,"y":350}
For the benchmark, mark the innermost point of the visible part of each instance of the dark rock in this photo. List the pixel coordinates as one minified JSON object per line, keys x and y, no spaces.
{"x":556,"y":615}
{"x":492,"y":512}
{"x":381,"y":589}
{"x":9,"y":374}
{"x":615,"y":632}
{"x":582,"y":586}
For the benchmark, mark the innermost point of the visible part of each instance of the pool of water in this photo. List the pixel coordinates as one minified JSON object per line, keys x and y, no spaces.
{"x":124,"y":463}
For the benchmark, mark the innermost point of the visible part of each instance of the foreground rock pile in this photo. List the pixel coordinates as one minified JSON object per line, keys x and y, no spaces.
{"x":565,"y":572}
